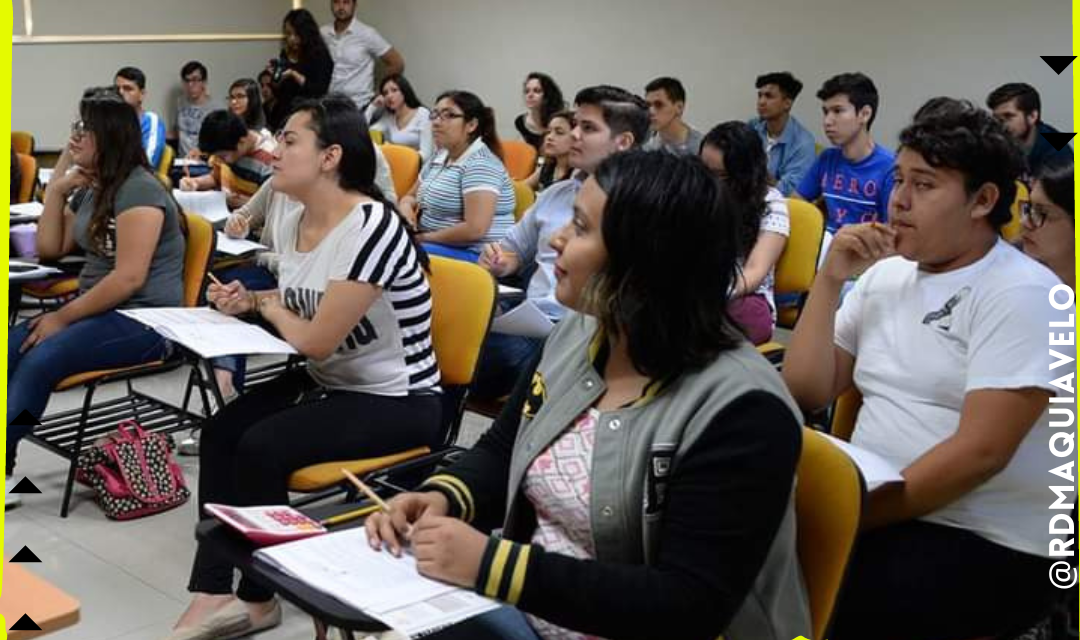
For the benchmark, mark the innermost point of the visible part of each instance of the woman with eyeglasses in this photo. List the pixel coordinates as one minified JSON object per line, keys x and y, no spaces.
{"x":114,"y":208}
{"x":304,"y":67}
{"x":464,"y":198}
{"x":733,"y":152}
{"x":245,"y":100}
{"x":1048,"y":220}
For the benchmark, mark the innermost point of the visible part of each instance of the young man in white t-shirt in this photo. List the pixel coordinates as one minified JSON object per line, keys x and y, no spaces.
{"x":945,"y":336}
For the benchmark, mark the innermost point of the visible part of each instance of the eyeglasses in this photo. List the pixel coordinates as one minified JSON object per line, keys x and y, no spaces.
{"x":238,"y":97}
{"x":79,"y":129}
{"x":445,"y":114}
{"x":1034,"y":214}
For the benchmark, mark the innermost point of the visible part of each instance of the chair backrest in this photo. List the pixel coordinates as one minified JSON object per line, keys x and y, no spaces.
{"x":22,"y":142}
{"x":1012,"y":230}
{"x":233,"y":183}
{"x":828,"y":505}
{"x":845,"y":411}
{"x":167,"y":156}
{"x":524,"y":197}
{"x":404,"y":166}
{"x":797,"y":266}
{"x":376,"y":136}
{"x":198,"y":251}
{"x":519,"y":158}
{"x":28,"y":169}
{"x":462,"y":304}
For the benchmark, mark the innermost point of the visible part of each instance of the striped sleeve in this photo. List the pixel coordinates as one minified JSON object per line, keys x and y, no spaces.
{"x":382,"y":243}
{"x":457,"y":494}
{"x":503,"y":569}
{"x":483,"y":172}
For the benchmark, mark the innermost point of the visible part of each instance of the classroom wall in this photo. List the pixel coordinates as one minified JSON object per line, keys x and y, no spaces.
{"x":913,"y":49}
{"x":48,"y":79}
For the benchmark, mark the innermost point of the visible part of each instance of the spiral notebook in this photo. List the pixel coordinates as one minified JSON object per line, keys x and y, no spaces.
{"x":344,"y":566}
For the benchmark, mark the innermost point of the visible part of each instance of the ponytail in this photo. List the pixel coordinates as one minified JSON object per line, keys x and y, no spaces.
{"x":474,"y":109}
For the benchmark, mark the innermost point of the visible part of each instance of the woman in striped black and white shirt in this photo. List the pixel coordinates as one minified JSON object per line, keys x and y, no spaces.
{"x":354,"y":299}
{"x":464,"y":198}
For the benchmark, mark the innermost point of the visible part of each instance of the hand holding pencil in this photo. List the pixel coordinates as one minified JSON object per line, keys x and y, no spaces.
{"x":394,"y":524}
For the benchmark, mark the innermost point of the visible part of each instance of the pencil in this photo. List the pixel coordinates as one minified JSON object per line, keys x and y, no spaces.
{"x":350,"y":515}
{"x":374,"y":497}
{"x":214,"y":279}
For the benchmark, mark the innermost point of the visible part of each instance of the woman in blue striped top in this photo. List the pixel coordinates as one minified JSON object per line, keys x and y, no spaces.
{"x":464,"y":197}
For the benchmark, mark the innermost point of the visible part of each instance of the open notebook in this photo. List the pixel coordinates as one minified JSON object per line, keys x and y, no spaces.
{"x":343,"y":565}
{"x":210,"y":333}
{"x":876,"y":471}
{"x":208,"y":204}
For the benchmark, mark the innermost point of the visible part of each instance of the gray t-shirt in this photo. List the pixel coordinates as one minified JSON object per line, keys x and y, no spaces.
{"x":690,"y":147}
{"x":164,"y":286}
{"x":189,"y":119}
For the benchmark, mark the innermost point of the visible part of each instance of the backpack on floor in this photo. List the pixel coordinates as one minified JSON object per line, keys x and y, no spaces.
{"x":133,"y":473}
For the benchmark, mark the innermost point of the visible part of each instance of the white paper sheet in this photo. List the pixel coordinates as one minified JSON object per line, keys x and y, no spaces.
{"x":26,"y":211}
{"x":343,"y":565}
{"x":188,"y":162}
{"x":210,"y":333}
{"x":44,"y":175}
{"x":235,"y":247}
{"x":505,"y":290}
{"x":523,"y":320}
{"x":208,"y":204}
{"x":876,"y":471}
{"x":20,"y":271}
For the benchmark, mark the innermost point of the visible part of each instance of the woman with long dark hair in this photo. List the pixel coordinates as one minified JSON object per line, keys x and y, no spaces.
{"x":733,"y":152}
{"x":543,"y":99}
{"x":245,"y":100}
{"x":304,"y":67}
{"x":113,"y":207}
{"x":1049,"y":218}
{"x":626,"y":469}
{"x":464,"y":197}
{"x":401,"y":117}
{"x":353,"y":298}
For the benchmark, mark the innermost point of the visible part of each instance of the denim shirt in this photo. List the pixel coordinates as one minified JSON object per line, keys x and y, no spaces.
{"x":791,"y":156}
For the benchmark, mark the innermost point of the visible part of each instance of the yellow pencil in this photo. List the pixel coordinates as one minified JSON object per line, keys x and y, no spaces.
{"x":350,"y":515}
{"x":374,"y":497}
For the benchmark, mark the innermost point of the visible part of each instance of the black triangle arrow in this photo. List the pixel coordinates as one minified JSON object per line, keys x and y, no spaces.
{"x":1058,"y":63}
{"x":26,"y":418}
{"x":25,"y":486}
{"x":25,"y":624}
{"x":25,"y":555}
{"x":1058,"y":140}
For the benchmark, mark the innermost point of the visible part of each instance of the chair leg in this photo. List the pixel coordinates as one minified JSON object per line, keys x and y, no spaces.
{"x":73,"y":466}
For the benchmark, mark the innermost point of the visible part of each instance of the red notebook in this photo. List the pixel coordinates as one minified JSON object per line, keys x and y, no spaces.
{"x":267,"y":525}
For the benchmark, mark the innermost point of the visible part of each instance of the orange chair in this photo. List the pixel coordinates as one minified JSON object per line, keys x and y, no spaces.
{"x":519,"y":158}
{"x":22,"y":142}
{"x":404,"y":166}
{"x":28,"y":168}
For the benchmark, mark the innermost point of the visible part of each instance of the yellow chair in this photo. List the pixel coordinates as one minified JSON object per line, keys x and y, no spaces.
{"x":462,"y":304}
{"x":376,"y":136}
{"x":404,"y":166}
{"x":818,"y":148}
{"x":828,"y":506}
{"x":28,"y":169}
{"x":229,"y":181}
{"x":844,"y":413}
{"x":524,"y":197}
{"x":164,"y":165}
{"x":519,"y":158}
{"x":68,"y":433}
{"x":22,"y":142}
{"x":1011,"y":231}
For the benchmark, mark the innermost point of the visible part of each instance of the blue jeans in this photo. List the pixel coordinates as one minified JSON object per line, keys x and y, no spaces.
{"x":501,"y":363}
{"x":106,"y":341}
{"x":448,"y":251}
{"x":504,"y":623}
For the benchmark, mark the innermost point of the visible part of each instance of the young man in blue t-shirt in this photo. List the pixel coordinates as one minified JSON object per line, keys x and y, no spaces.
{"x":854,"y":176}
{"x":131,"y":83}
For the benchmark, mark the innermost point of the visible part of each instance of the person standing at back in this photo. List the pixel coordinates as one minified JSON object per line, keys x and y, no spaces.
{"x":354,"y":46}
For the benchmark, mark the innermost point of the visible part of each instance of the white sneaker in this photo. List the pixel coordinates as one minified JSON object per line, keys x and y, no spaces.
{"x":189,"y":446}
{"x":11,"y":499}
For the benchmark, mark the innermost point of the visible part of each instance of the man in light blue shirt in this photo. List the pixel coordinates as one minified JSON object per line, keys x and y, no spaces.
{"x":789,"y":145}
{"x":607,"y":120}
{"x":131,"y":83}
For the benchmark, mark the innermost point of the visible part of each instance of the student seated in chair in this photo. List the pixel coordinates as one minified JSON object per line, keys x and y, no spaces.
{"x":1018,"y":106}
{"x":854,"y":176}
{"x":554,"y":163}
{"x":114,"y":208}
{"x":734,"y":154}
{"x":789,"y":145}
{"x":643,"y":469}
{"x":131,"y":83}
{"x":607,"y":120}
{"x":249,"y":154}
{"x":944,"y":335}
{"x":464,"y":197}
{"x":353,"y":298}
{"x":401,"y":117}
{"x":667,"y":102}
{"x":1049,"y":220}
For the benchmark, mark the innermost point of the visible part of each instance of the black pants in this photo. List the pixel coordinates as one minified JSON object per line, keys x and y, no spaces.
{"x":249,"y":449}
{"x":925,"y":581}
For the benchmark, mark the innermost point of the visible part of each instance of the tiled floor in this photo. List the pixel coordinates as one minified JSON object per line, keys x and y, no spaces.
{"x":130,"y":577}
